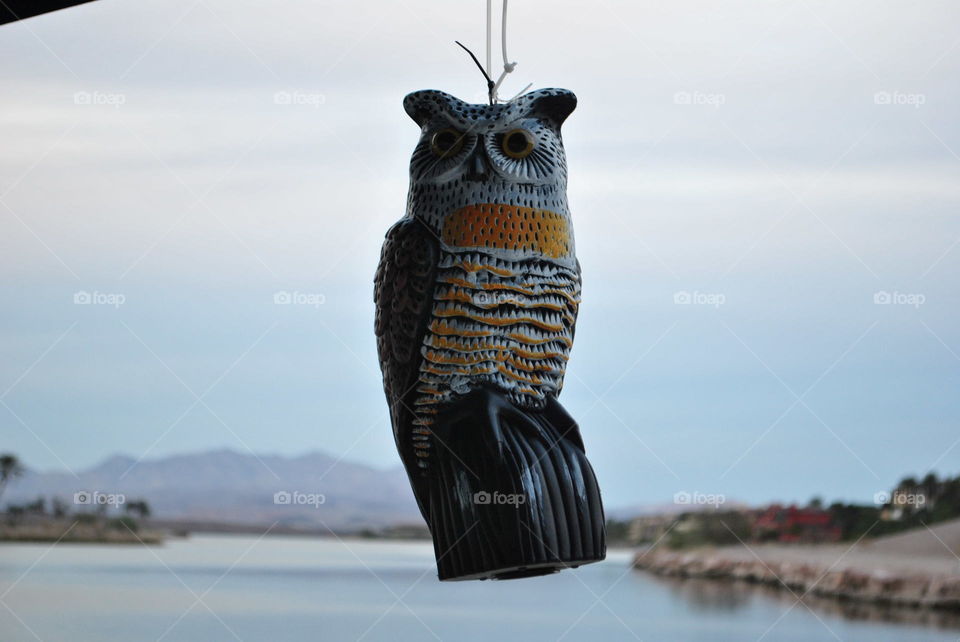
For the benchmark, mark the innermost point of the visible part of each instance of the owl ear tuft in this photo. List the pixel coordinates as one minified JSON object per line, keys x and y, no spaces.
{"x":553,"y":104}
{"x":422,"y":105}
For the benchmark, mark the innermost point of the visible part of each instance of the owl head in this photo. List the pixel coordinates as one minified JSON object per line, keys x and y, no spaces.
{"x":517,"y":142}
{"x":508,"y":154}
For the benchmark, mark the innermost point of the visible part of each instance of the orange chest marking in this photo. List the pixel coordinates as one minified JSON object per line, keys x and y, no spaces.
{"x":508,"y":227}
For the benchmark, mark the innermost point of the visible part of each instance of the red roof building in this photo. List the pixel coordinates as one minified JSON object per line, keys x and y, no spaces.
{"x":792,"y":524}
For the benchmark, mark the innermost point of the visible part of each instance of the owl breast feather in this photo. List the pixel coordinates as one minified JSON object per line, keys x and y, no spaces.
{"x":494,"y":322}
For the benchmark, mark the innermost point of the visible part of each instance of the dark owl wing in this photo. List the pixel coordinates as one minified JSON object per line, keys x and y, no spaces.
{"x":403,"y":293}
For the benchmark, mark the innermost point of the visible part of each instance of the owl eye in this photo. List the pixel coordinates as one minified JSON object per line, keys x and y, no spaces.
{"x":517,"y":143}
{"x":446,"y":142}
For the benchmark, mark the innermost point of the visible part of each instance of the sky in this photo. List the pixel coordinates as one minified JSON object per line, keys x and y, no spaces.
{"x":765,"y":198}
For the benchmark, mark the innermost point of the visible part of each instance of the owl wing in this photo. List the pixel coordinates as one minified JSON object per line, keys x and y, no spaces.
{"x":576,"y":309}
{"x":403,"y":293}
{"x":573,"y":311}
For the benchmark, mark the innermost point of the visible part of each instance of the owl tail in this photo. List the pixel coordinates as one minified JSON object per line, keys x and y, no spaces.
{"x":513,"y":494}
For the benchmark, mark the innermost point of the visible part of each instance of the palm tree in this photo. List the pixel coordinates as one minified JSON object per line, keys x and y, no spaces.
{"x":10,"y":467}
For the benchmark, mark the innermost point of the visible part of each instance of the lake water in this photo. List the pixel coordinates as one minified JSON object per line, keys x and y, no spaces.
{"x":208,"y":588}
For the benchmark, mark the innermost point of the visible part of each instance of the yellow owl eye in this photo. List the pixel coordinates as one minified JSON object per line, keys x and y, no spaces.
{"x":446,"y":142}
{"x":517,"y":143}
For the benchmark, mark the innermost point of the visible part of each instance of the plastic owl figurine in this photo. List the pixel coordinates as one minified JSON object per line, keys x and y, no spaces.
{"x":477,"y":294}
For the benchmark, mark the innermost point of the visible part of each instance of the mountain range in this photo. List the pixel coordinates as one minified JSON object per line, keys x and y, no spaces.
{"x":311,"y":491}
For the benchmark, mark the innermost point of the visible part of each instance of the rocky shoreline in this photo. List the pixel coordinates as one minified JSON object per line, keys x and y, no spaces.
{"x":867,"y":583}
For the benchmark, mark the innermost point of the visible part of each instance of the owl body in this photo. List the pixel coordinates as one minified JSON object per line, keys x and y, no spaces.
{"x":477,"y":296}
{"x":508,"y":283}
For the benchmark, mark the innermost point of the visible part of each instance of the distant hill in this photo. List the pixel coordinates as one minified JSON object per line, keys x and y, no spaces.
{"x":238,"y":488}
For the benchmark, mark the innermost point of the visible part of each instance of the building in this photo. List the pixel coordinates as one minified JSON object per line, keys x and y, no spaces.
{"x":792,"y":524}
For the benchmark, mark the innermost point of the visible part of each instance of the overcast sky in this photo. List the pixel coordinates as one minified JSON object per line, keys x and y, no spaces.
{"x":785,"y":164}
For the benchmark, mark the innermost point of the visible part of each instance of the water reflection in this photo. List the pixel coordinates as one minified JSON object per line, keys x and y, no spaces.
{"x":725,"y":595}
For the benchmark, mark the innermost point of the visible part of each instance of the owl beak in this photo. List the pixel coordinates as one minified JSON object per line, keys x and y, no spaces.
{"x":477,"y":167}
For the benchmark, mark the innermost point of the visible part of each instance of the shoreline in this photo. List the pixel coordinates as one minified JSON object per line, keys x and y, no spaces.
{"x":851,"y":575}
{"x":77,"y":533}
{"x":918,"y":569}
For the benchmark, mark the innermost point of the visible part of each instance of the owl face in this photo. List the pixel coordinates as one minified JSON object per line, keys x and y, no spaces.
{"x":517,"y":142}
{"x":508,"y":158}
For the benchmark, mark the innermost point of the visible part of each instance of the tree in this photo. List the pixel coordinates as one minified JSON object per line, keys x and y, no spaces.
{"x":907,"y":484}
{"x":138,"y":507}
{"x":14,"y":514}
{"x":931,"y":488}
{"x":36,"y":507}
{"x":10,"y":468}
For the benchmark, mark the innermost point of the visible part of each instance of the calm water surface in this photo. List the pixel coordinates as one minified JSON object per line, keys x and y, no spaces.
{"x":287,"y":588}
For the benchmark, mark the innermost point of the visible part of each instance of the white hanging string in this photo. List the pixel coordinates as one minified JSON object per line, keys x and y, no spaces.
{"x":489,"y":35}
{"x":521,"y":92}
{"x":508,"y":66}
{"x":503,"y":37}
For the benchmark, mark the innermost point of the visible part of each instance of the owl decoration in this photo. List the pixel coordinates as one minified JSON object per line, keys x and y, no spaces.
{"x":476,"y":297}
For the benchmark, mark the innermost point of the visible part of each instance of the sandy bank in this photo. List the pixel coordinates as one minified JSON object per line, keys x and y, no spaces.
{"x":917,"y":568}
